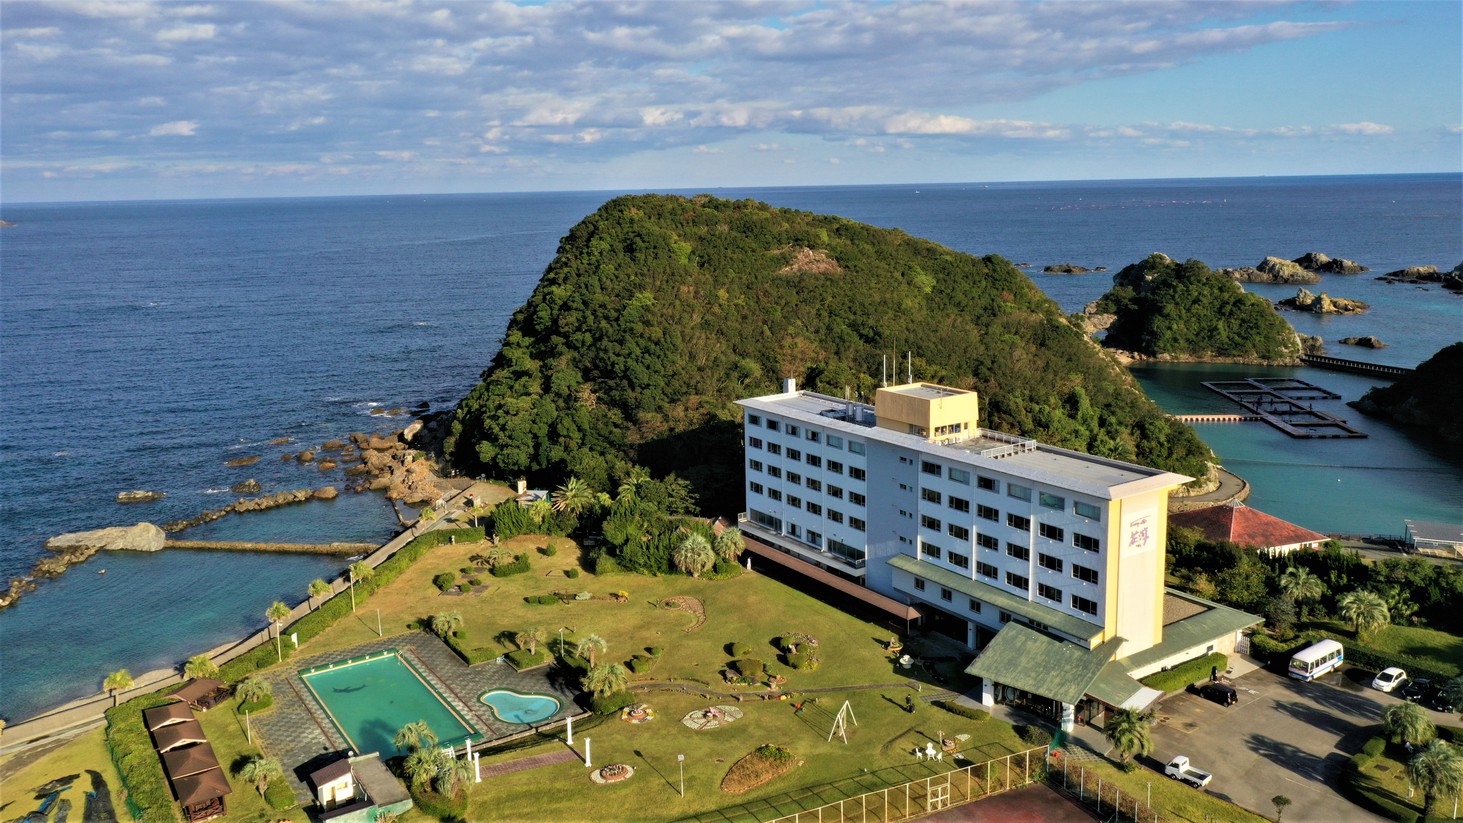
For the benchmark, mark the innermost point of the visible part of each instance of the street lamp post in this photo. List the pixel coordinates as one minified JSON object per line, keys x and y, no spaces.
{"x":681,"y":761}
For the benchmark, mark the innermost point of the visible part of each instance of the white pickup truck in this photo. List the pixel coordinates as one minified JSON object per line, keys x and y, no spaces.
{"x":1179,"y":769}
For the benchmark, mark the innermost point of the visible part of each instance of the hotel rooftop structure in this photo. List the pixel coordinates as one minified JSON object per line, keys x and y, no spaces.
{"x":1048,"y":562}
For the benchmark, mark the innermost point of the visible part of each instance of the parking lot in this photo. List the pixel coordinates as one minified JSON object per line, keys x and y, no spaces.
{"x":1282,"y":737}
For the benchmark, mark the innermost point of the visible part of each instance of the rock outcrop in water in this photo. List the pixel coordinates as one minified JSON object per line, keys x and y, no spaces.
{"x":1066,"y":268}
{"x":1417,"y":275}
{"x":139,"y":496}
{"x":1364,"y":342}
{"x":1272,"y":270}
{"x":143,"y":537}
{"x":1323,"y":303}
{"x":1315,"y":261}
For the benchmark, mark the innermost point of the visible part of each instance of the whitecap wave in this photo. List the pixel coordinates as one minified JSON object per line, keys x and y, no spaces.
{"x":61,"y":453}
{"x":214,"y":491}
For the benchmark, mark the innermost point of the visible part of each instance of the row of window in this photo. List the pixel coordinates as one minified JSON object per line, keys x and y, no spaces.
{"x":812,"y":436}
{"x":1016,"y":490}
{"x":856,"y":498}
{"x":854,"y":472}
{"x":1052,"y":593}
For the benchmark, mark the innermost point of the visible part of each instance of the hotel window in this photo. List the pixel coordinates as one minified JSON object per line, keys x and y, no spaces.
{"x":1051,"y":532}
{"x":855,"y":447}
{"x":1049,"y":592}
{"x":773,"y":471}
{"x":903,"y":513}
{"x":794,"y":454}
{"x":857,"y":499}
{"x":958,"y":504}
{"x":1018,"y":552}
{"x":919,"y":585}
{"x":856,"y":524}
{"x":930,"y":494}
{"x":812,"y":436}
{"x":856,"y":473}
{"x":1082,"y":541}
{"x":814,"y":508}
{"x":754,"y":419}
{"x":773,"y":448}
{"x":815,"y":461}
{"x":905,"y":460}
{"x":959,"y":476}
{"x":987,"y":513}
{"x":1084,"y":574}
{"x":814,"y":485}
{"x":947,"y":595}
{"x":755,"y":465}
{"x":959,"y":561}
{"x":1018,"y":492}
{"x":930,"y":468}
{"x":1016,"y":521}
{"x":835,"y":492}
{"x":1005,"y":618}
{"x":1046,"y":561}
{"x":835,"y":467}
{"x":794,"y":530}
{"x":1052,"y":501}
{"x":1017,"y":581}
{"x":930,"y":522}
{"x":986,"y":570}
{"x":795,"y":502}
{"x":1082,"y":604}
{"x":989,"y":484}
{"x":772,"y":424}
{"x":791,"y":429}
{"x":795,"y":478}
{"x":985,"y":541}
{"x":904,"y":487}
{"x":774,"y":523}
{"x":814,"y":538}
{"x":958,"y":532}
{"x":1087,"y":510}
{"x":931,"y":551}
{"x":835,"y":515}
{"x":755,"y":487}
{"x":774,"y":494}
{"x":835,"y":442}
{"x":754,"y":442}
{"x":975,"y":605}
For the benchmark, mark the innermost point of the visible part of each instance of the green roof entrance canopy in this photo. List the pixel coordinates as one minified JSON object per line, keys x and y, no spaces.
{"x":1031,"y":661}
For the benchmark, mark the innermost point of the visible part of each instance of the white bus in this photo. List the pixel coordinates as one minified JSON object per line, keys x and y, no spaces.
{"x":1316,"y":659}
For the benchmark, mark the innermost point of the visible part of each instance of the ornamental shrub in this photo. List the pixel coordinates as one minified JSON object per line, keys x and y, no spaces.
{"x":640,"y":664}
{"x":606,"y":564}
{"x":279,"y":795}
{"x":441,"y":806}
{"x":655,"y":651}
{"x":519,"y":565}
{"x":963,"y":710}
{"x":572,"y":574}
{"x":522,"y":659}
{"x":542,"y":600}
{"x":549,"y":550}
{"x":739,"y":649}
{"x":611,"y":703}
{"x":1035,"y":735}
{"x":444,"y":581}
{"x":749,"y":667}
{"x":802,"y":661}
{"x":257,"y":706}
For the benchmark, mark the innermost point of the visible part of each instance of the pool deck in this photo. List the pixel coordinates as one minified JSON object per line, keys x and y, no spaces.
{"x":299,"y":734}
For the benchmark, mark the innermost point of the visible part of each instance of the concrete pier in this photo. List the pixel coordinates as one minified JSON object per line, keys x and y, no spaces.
{"x":1276,"y":400}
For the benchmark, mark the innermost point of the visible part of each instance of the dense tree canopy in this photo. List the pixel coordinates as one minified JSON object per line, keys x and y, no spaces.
{"x":1428,"y":398}
{"x":1168,"y":308}
{"x":659,"y":311}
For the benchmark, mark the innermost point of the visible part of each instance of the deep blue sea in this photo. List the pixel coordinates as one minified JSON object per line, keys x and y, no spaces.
{"x":144,"y":344}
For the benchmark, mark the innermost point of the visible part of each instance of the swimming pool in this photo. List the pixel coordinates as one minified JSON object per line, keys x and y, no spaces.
{"x":369,"y":699}
{"x":512,"y":707}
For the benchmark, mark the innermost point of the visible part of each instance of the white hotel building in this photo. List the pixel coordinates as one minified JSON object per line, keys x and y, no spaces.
{"x":1047,"y":561}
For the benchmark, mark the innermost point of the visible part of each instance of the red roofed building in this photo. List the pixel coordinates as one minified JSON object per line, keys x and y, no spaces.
{"x":1241,"y":524}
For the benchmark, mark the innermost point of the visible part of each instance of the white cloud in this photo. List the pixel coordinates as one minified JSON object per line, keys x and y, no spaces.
{"x":706,"y":150}
{"x":177,"y":128}
{"x":400,"y":156}
{"x":1362,"y":128}
{"x":187,"y":32}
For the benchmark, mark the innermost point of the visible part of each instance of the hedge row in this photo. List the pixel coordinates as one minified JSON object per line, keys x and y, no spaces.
{"x":1186,"y":674}
{"x":963,"y":710}
{"x":137,"y":762}
{"x":339,"y":606}
{"x":519,"y":565}
{"x":522,"y":659}
{"x":458,"y":643}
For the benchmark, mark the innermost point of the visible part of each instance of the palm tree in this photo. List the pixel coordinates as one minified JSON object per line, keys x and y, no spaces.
{"x":118,"y":681}
{"x":573,"y":497}
{"x":590,"y":647}
{"x":1128,"y":732}
{"x":452,"y":774}
{"x":629,"y":489}
{"x":318,"y":589}
{"x":610,"y":678}
{"x":446,"y":624}
{"x":530,"y":638}
{"x":360,"y":571}
{"x":693,"y":555}
{"x":729,"y":544}
{"x":421,"y":766}
{"x":252,"y":689}
{"x":259,"y":770}
{"x":199,"y":666}
{"x":1366,"y":611}
{"x":276,"y":613}
{"x":1408,"y":723}
{"x":414,"y":736}
{"x":1302,"y":587}
{"x":1438,"y":771}
{"x":477,"y":513}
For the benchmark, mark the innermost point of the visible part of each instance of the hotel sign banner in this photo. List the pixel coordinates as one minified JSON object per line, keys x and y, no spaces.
{"x":1140,"y":533}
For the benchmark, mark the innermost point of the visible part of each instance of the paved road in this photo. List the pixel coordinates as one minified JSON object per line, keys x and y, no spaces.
{"x":1283,"y":737}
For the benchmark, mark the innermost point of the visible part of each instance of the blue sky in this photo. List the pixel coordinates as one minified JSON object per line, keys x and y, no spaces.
{"x":117,"y":99}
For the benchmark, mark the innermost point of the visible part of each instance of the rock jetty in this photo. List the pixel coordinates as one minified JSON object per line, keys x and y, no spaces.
{"x":1322,"y":303}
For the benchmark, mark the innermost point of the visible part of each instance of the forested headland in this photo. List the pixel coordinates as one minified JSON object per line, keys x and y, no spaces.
{"x":1164,"y":308}
{"x":1428,"y":399}
{"x":659,"y":311}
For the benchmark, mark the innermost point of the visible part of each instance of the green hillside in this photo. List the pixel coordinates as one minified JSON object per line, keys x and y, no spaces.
{"x":1428,"y":399}
{"x":659,"y":311}
{"x":1164,"y":307}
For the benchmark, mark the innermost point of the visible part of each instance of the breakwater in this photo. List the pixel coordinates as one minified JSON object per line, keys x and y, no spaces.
{"x":253,"y":546}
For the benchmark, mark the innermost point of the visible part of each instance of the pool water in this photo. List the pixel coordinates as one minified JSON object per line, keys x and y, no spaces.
{"x":512,"y":707}
{"x":370,"y":699}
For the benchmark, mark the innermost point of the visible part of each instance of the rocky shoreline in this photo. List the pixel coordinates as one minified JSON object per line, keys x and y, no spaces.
{"x":395,"y":462}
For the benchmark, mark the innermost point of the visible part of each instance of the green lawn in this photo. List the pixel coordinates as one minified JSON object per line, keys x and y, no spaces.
{"x":21,"y":774}
{"x":226,"y":734}
{"x":1174,"y":801}
{"x":1443,"y":649}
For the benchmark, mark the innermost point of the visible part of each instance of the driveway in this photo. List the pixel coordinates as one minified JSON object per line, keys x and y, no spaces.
{"x":1282,"y":737}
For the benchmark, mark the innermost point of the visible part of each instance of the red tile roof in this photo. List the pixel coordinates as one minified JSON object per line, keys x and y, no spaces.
{"x":1248,"y":527}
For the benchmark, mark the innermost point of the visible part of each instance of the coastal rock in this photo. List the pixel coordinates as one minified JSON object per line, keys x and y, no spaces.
{"x":421,"y":408}
{"x":279,"y":441}
{"x":332,"y":445}
{"x":326,"y":493}
{"x":143,"y":537}
{"x":379,"y":444}
{"x":1279,"y":271}
{"x":1453,"y":280}
{"x":1323,"y":303}
{"x":1313,"y":260}
{"x":250,"y":486}
{"x":326,"y":465}
{"x":411,"y":430}
{"x":1066,"y":268}
{"x":356,"y":471}
{"x":18,"y":586}
{"x":139,"y":496}
{"x":378,"y":411}
{"x":243,"y":461}
{"x":1364,"y":342}
{"x":305,"y":457}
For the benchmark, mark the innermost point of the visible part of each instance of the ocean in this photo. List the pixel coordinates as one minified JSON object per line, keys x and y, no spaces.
{"x":144,"y":344}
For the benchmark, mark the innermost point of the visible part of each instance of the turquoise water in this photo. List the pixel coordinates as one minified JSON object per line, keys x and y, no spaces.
{"x":371,"y":700}
{"x":1345,"y":486}
{"x":512,"y":707}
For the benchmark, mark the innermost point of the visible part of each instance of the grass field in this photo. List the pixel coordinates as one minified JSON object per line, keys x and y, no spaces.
{"x":22,"y":774}
{"x":1443,"y":649}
